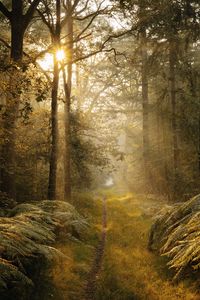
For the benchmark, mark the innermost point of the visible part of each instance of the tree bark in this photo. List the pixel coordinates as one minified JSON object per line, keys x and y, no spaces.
{"x":8,"y":149}
{"x":12,"y":105}
{"x":54,"y":111}
{"x":17,"y":30}
{"x":145,"y":104}
{"x":17,"y":37}
{"x":54,"y":133}
{"x":18,"y":23}
{"x":67,"y":88}
{"x":172,"y":78}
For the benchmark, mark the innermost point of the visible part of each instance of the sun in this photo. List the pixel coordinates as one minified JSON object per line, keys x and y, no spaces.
{"x":60,"y":55}
{"x":47,"y":61}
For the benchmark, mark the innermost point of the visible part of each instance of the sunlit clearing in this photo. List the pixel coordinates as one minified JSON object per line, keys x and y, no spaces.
{"x":60,"y":54}
{"x":46,"y":62}
{"x":109,"y":182}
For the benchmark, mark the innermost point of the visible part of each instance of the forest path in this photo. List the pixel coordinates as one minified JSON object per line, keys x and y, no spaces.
{"x":113,"y":261}
{"x":129,"y":271}
{"x":99,"y":253}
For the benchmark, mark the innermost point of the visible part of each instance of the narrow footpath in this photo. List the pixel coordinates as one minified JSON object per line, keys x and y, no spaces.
{"x":99,"y":253}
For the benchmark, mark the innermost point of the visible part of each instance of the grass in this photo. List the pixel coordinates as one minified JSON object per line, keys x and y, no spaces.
{"x":68,"y":277}
{"x":129,"y":270}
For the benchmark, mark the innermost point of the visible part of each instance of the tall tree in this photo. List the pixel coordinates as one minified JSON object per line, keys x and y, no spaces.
{"x":67,"y":89}
{"x":18,"y":24}
{"x":172,"y":80}
{"x":145,"y":102}
{"x":53,"y":22}
{"x":72,"y":15}
{"x":54,"y":107}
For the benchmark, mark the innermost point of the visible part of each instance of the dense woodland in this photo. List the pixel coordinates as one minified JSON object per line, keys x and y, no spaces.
{"x":97,"y":97}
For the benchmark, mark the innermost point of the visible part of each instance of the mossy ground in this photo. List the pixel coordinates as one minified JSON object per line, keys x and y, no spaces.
{"x":129,"y":270}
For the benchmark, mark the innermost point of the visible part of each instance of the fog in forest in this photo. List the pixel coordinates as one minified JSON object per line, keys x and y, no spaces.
{"x":99,"y":150}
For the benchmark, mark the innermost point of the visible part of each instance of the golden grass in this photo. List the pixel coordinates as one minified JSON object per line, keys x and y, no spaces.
{"x":68,"y":276}
{"x":129,"y":271}
{"x":133,"y":271}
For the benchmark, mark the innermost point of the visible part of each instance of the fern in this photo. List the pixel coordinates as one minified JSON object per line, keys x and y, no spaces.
{"x":10,"y":273}
{"x":30,"y":230}
{"x":176,"y":234}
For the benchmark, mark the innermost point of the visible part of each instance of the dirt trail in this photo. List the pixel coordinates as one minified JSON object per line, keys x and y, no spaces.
{"x":97,"y":263}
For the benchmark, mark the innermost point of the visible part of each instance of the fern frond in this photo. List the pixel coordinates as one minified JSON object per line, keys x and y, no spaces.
{"x":10,"y":273}
{"x":179,"y":235}
{"x":30,"y":230}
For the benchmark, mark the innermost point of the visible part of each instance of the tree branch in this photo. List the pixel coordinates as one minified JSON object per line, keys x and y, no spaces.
{"x":95,"y":13}
{"x":6,"y":44}
{"x":93,"y":16}
{"x":83,"y":9}
{"x":29,"y":14}
{"x":122,"y":111}
{"x":47,"y":23}
{"x":28,"y":56}
{"x":75,"y":4}
{"x":102,"y":46}
{"x":5,"y":11}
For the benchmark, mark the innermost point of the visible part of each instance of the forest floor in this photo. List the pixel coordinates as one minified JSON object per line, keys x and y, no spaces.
{"x":126,"y":269}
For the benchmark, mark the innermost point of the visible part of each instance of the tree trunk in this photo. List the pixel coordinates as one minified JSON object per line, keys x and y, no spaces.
{"x":145,"y":104}
{"x":172,"y":78}
{"x":12,"y":106}
{"x":78,"y":87}
{"x":18,"y":23}
{"x":54,"y":111}
{"x":67,"y":88}
{"x":67,"y":157}
{"x":54,"y":134}
{"x":8,"y":149}
{"x":17,"y":30}
{"x":17,"y":36}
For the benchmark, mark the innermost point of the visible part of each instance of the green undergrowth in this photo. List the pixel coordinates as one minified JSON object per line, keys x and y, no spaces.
{"x":129,"y":270}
